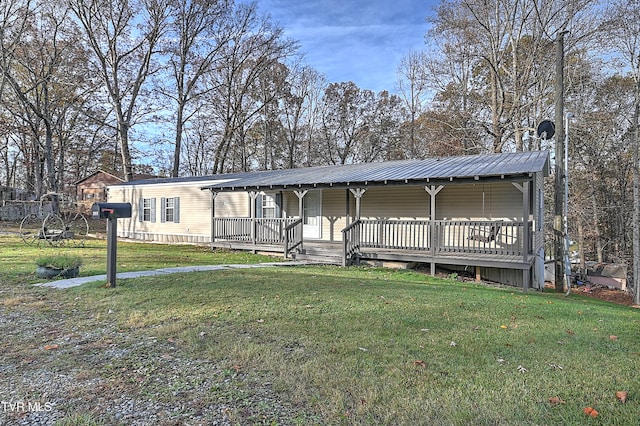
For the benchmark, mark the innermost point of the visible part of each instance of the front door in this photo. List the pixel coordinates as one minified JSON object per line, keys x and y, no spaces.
{"x":312,"y":217}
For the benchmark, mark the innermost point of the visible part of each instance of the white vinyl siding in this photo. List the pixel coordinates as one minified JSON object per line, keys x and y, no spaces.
{"x":490,"y":201}
{"x":192,"y":211}
{"x":397,"y":202}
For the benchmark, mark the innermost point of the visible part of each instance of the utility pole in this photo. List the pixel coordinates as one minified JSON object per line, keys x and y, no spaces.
{"x":558,"y":238}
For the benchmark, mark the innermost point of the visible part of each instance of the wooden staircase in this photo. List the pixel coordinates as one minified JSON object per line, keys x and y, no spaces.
{"x":324,"y":252}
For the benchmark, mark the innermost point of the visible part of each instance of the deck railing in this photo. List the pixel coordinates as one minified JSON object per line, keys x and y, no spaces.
{"x":438,"y":237}
{"x":501,"y":238}
{"x":252,"y":230}
{"x":292,"y":237}
{"x":351,"y":242}
{"x":395,"y":234}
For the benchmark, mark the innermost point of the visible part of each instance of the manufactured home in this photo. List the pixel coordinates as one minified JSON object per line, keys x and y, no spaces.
{"x":481,"y":213}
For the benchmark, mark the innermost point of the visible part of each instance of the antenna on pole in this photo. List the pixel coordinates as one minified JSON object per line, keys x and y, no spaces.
{"x":546,"y":129}
{"x":558,"y":237}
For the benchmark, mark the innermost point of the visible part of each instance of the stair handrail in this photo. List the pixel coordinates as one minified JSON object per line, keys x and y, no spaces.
{"x":292,"y":239}
{"x":351,"y":241}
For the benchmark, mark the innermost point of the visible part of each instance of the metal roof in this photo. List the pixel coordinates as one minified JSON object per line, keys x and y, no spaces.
{"x":513,"y":166}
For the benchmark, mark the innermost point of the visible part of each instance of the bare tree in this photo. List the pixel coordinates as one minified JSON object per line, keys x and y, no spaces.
{"x":45,"y":75}
{"x":123,"y":36}
{"x":255,"y":46}
{"x":198,"y":33}
{"x":346,"y":114}
{"x":412,"y":86}
{"x":299,"y":114}
{"x":500,"y":49}
{"x":625,"y":30}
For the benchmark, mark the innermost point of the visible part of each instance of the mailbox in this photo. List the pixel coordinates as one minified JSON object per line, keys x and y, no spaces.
{"x":111,"y":210}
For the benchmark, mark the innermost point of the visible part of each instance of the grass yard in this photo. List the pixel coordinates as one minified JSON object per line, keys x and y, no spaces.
{"x":308,"y":345}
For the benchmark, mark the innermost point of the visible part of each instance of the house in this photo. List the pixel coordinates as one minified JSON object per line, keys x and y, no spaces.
{"x":483,"y":212}
{"x":92,"y":189}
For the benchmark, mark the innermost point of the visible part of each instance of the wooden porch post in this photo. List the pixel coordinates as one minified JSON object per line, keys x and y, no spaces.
{"x":300,"y":194}
{"x":433,"y":191}
{"x":357,"y":194}
{"x":213,"y":215}
{"x":347,"y":208}
{"x":253,"y":195}
{"x":526,"y":235}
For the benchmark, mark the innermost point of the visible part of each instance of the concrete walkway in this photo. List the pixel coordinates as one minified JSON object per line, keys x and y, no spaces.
{"x":73,"y":282}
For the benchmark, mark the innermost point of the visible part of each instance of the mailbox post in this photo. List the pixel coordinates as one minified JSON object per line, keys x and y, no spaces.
{"x":112,"y":212}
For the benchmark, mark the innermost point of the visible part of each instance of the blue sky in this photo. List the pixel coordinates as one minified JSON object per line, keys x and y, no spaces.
{"x":354,"y":40}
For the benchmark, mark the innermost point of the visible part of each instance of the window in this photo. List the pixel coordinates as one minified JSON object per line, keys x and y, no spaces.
{"x":268,"y":205}
{"x":147,"y":210}
{"x":170,"y":209}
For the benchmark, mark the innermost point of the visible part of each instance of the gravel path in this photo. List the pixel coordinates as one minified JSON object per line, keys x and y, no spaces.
{"x":114,"y":378}
{"x":63,"y":367}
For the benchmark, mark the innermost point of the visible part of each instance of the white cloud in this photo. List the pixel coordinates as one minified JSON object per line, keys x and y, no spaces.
{"x":359,"y":41}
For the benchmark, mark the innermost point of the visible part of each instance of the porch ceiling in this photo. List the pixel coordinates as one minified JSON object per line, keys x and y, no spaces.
{"x":503,"y":166}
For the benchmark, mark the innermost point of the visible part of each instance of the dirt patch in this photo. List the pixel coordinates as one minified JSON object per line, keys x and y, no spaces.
{"x":610,"y":295}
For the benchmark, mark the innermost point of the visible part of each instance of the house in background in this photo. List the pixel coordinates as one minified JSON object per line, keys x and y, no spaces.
{"x":482,"y":212}
{"x":93,"y":188}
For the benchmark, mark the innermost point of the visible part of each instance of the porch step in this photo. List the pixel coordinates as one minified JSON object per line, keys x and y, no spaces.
{"x":327,"y":253}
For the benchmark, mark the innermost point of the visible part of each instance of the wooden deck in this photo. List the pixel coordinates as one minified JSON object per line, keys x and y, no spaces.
{"x":471,"y":259}
{"x":496,"y":244}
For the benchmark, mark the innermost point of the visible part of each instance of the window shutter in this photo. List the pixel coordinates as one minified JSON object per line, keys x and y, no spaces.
{"x":140,"y":209}
{"x":153,"y":210}
{"x":279,"y":204}
{"x":163,"y":209}
{"x":176,"y":210}
{"x":259,"y":205}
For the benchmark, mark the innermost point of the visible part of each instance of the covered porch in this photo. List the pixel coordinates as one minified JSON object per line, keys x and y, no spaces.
{"x":483,"y":212}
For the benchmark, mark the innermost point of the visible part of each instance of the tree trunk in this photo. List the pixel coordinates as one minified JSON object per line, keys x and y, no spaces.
{"x":179,"y":128}
{"x":596,"y":229}
{"x":636,"y":200}
{"x":123,"y":130}
{"x":581,"y":244}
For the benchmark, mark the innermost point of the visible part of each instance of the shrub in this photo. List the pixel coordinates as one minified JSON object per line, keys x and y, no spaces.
{"x":63,"y":262}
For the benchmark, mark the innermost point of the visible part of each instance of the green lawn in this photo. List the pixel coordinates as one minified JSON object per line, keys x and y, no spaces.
{"x":351,"y":346}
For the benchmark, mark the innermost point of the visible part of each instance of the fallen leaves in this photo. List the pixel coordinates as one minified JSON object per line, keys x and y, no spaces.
{"x":50,"y":347}
{"x":420,"y":363}
{"x":589,"y":411}
{"x":622,"y":396}
{"x":557,"y":400}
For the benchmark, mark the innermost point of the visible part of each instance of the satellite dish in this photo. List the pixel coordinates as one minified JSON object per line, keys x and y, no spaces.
{"x":546,"y":129}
